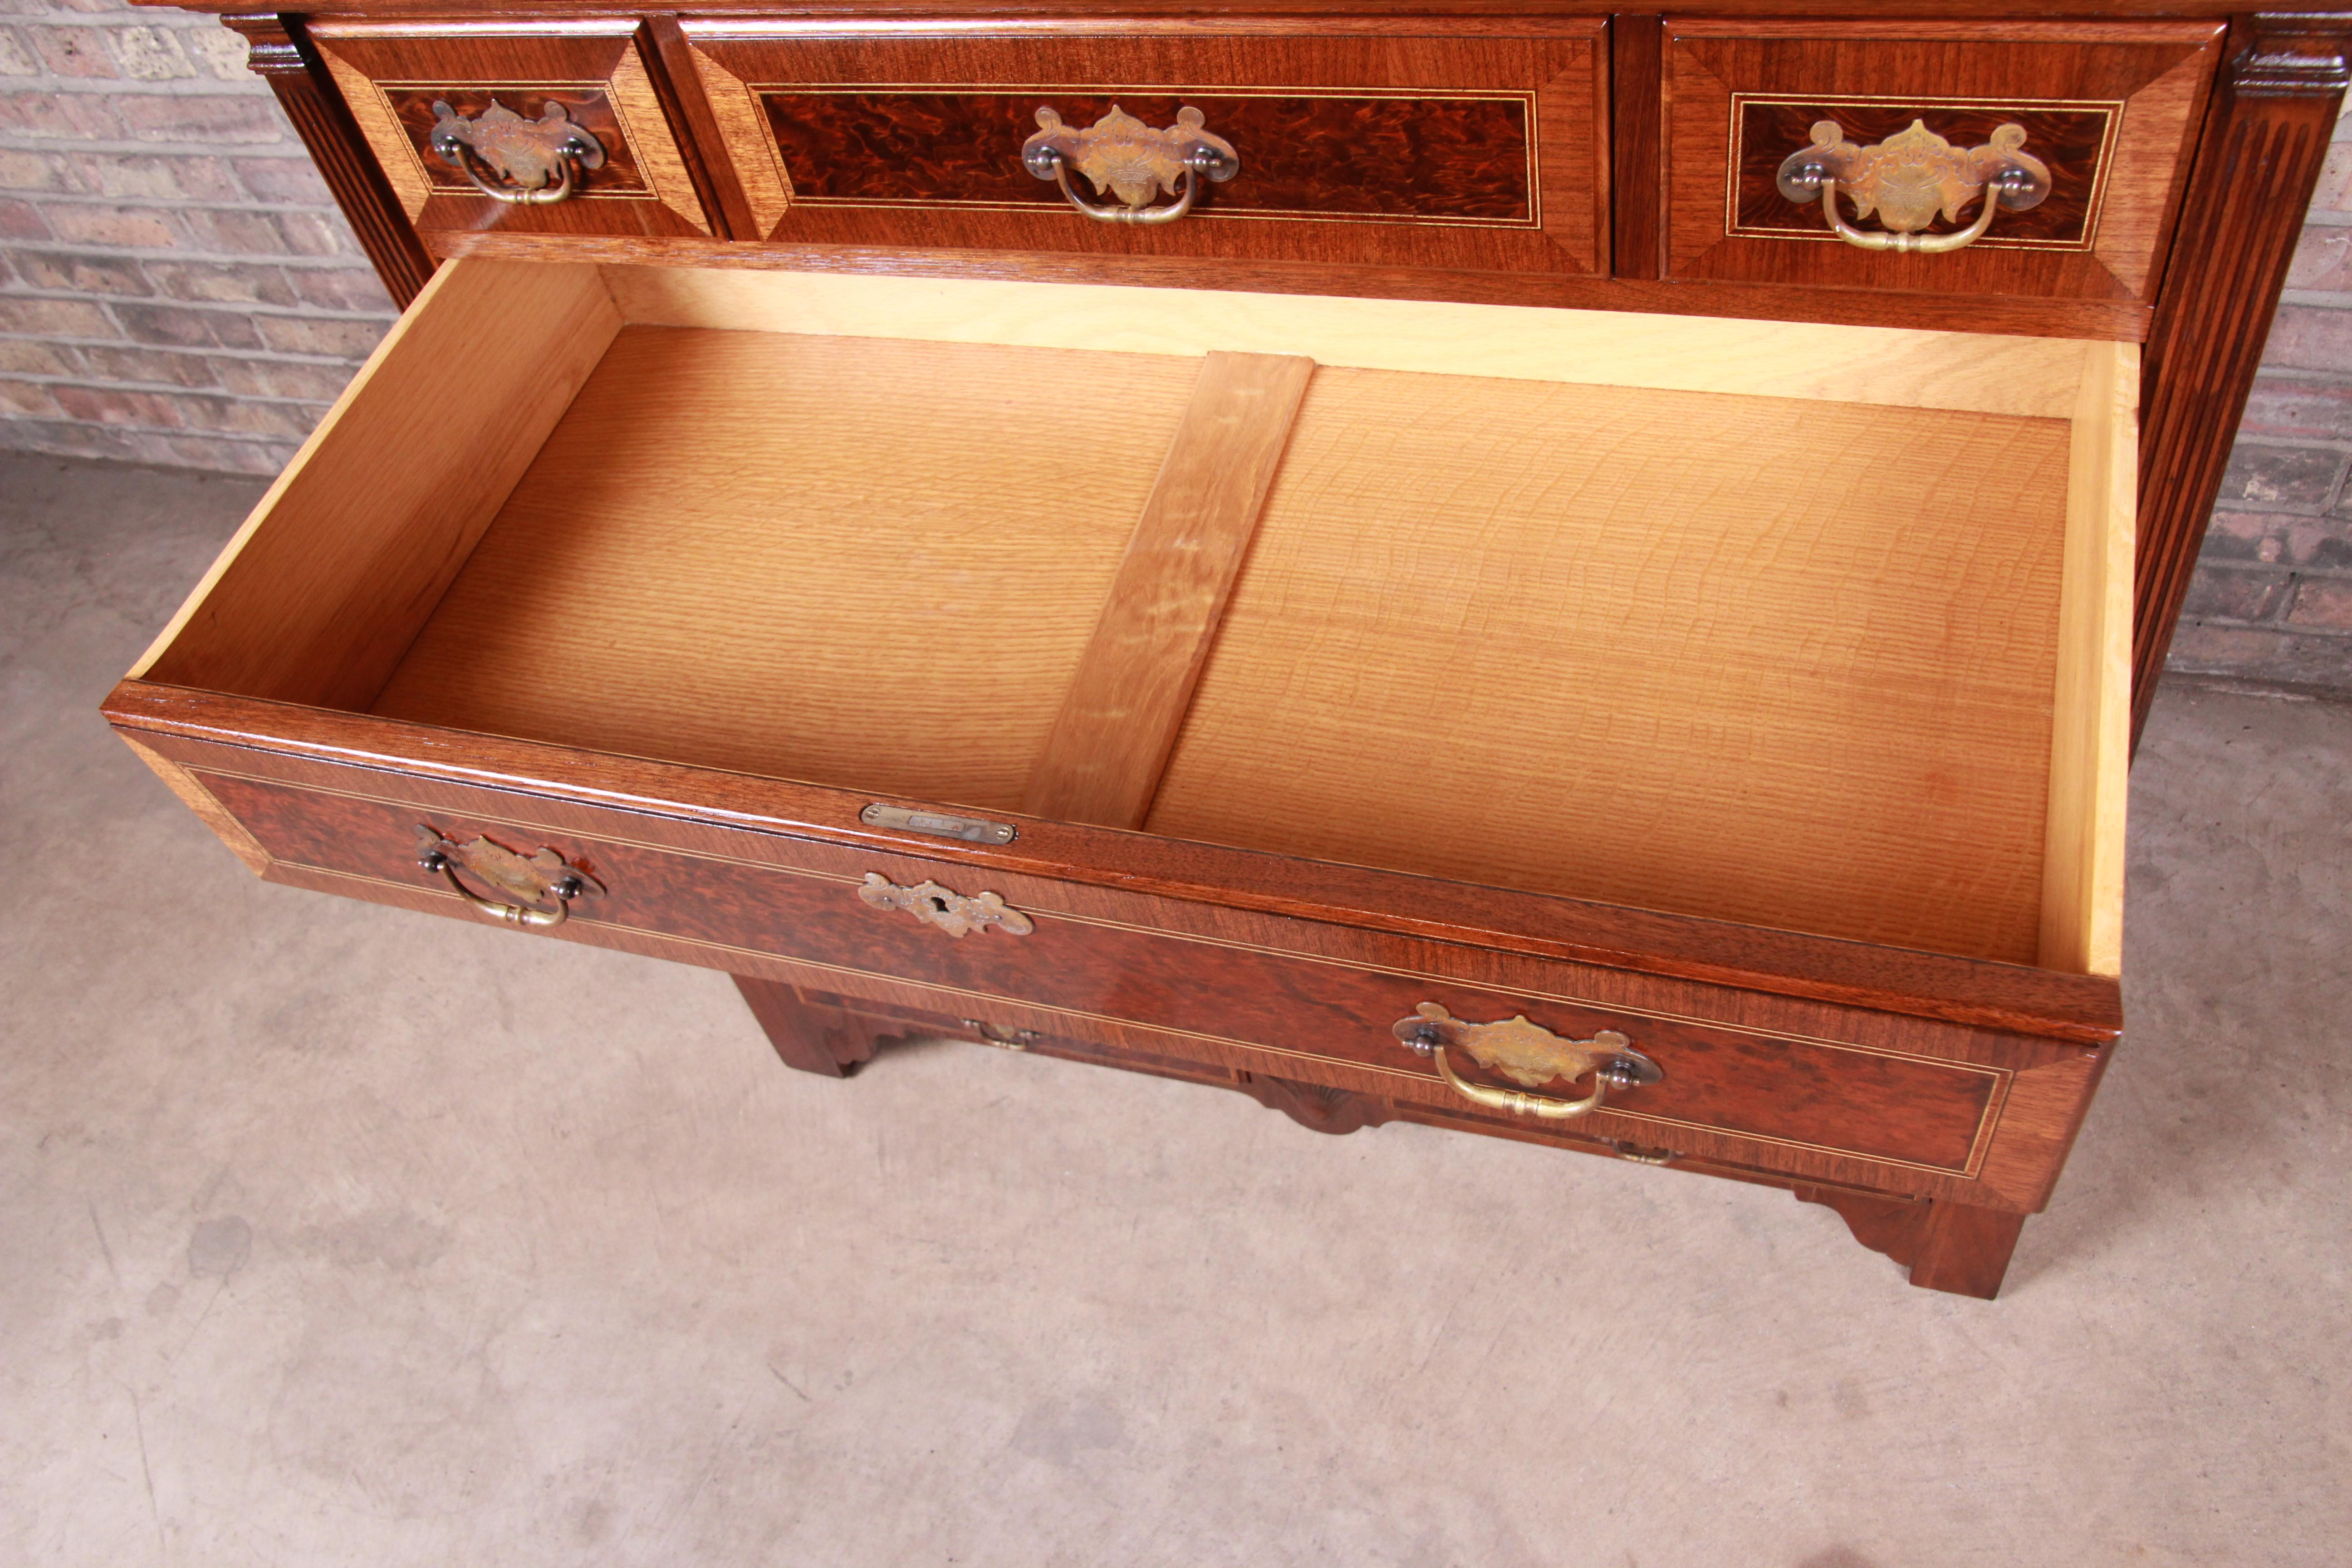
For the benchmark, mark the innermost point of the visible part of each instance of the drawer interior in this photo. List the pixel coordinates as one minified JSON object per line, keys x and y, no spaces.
{"x":1815,"y":628}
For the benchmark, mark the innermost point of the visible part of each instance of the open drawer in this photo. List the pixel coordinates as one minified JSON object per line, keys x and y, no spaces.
{"x":1236,"y":680}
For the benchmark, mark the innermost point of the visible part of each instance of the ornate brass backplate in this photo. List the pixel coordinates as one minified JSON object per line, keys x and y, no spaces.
{"x":1524,"y":1053}
{"x":949,"y":911}
{"x":530,"y":155}
{"x":1122,"y":155}
{"x":1914,"y":175}
{"x":544,"y":879}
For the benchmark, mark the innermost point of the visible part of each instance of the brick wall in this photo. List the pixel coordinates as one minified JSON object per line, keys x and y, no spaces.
{"x":2272,"y":599}
{"x":175,"y":284}
{"x":176,"y":288}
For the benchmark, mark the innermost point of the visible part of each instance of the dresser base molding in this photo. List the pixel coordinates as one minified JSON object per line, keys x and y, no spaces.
{"x":1960,"y":1248}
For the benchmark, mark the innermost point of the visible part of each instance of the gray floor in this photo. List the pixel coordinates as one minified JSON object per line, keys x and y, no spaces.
{"x":332,"y":1234}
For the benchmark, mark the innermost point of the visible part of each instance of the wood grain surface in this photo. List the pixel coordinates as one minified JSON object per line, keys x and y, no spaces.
{"x":1755,"y":659}
{"x":2264,"y":148}
{"x":1393,"y":156}
{"x":391,"y":75}
{"x":2069,"y":142}
{"x":1403,"y":15}
{"x":2090,"y":756}
{"x":1212,"y":1005}
{"x":856,"y":562}
{"x":2114,"y":198}
{"x":590,"y":108}
{"x":1485,"y":146}
{"x":2123,"y":321}
{"x":1103,"y":758}
{"x":2034,"y":377}
{"x":1637,"y":193}
{"x":280,"y":53}
{"x":321,"y":591}
{"x":1898,"y":998}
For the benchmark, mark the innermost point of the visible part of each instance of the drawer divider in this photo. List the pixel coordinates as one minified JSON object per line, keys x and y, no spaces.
{"x":1119,"y":722}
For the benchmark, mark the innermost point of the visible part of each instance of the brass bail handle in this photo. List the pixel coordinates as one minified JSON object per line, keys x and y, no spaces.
{"x":536,"y":161}
{"x":1527,"y":1054}
{"x":529,"y":881}
{"x":1120,"y":154}
{"x":1910,"y":178}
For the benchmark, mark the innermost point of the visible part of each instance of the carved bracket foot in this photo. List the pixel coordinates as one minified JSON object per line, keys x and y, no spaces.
{"x":1956,"y":1247}
{"x":1320,"y":1110}
{"x":814,"y":1037}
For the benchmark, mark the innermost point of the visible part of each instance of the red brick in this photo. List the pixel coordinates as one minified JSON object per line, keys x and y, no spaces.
{"x":21,"y":220}
{"x":298,"y":336}
{"x":135,"y":227}
{"x":2296,"y":478}
{"x":16,"y":58}
{"x":69,"y":273}
{"x":27,"y":400}
{"x":177,"y":326}
{"x":71,"y":116}
{"x":340,"y":289}
{"x":2335,"y":191}
{"x":317,"y":234}
{"x":283,"y":378}
{"x":154,"y":367}
{"x":191,"y":177}
{"x":2324,"y":603}
{"x":95,"y":406}
{"x":208,"y":120}
{"x":69,"y":440}
{"x":2307,"y":337}
{"x":24,"y":171}
{"x":287,"y":421}
{"x":2323,"y":259}
{"x":220,"y":51}
{"x":2319,"y":541}
{"x":237,"y":232}
{"x":2244,"y":536}
{"x":72,"y":51}
{"x":54,"y":319}
{"x":225,"y":457}
{"x":213,"y":283}
{"x":25,"y":357}
{"x":2218,"y":594}
{"x":291,"y":182}
{"x":150,"y":53}
{"x":2309,"y":410}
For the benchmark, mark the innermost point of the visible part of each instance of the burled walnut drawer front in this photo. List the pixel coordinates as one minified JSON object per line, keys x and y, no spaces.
{"x":1904,"y":1105}
{"x":2086,"y":127}
{"x":550,"y":128}
{"x":1481,"y":148}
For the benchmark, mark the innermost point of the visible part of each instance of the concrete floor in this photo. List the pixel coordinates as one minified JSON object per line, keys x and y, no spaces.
{"x":333,"y":1233}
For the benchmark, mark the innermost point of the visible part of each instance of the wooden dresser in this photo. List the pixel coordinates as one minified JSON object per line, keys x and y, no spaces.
{"x":1575,"y":576}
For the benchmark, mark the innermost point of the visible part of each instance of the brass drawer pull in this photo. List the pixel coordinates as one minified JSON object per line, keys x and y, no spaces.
{"x":535,"y":159}
{"x":1122,"y":155}
{"x":1527,"y":1054}
{"x":530,"y":880}
{"x":1909,"y":178}
{"x":949,"y":911}
{"x":996,"y":1035}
